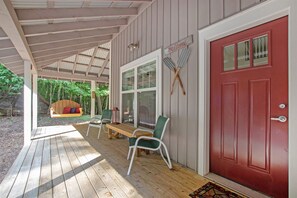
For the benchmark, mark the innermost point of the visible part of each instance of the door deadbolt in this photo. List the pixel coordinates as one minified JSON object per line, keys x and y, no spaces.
{"x":282,"y":106}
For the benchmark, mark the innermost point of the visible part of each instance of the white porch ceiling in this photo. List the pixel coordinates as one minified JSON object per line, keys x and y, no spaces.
{"x":64,"y":39}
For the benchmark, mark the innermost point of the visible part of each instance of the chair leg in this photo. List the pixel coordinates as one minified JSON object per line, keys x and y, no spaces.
{"x":168,"y":161}
{"x":129,"y":152}
{"x":88,"y":130}
{"x":99,"y":133}
{"x":131,"y":162}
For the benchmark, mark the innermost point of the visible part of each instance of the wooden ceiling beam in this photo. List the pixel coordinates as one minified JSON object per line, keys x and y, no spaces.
{"x":91,"y":61}
{"x":55,"y":45}
{"x":51,"y":52}
{"x":104,"y":65}
{"x":75,"y":62}
{"x":64,"y":75}
{"x":11,"y":26}
{"x":72,"y":26}
{"x":62,"y":13}
{"x":58,"y":37}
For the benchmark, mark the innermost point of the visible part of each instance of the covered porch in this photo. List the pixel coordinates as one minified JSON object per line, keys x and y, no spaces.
{"x":61,"y":161}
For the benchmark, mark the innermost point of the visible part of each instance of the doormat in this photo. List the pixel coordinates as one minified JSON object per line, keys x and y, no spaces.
{"x":212,"y":190}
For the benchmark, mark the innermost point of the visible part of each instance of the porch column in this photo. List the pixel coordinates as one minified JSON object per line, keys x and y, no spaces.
{"x":27,"y":103}
{"x":93,"y":97}
{"x":34,"y":100}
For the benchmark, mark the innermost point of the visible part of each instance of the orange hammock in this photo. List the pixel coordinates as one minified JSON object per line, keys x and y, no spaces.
{"x":62,"y":108}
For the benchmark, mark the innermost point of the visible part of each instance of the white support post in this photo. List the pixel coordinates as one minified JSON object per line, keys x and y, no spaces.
{"x":27,"y":103}
{"x":93,"y":87}
{"x":34,"y":101}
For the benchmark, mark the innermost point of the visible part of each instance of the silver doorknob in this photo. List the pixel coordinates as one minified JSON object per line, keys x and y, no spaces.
{"x":280,"y":119}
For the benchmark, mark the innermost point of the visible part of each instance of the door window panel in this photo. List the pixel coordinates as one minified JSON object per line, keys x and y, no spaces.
{"x":243,"y":54}
{"x":146,"y":109}
{"x":146,"y":75}
{"x":260,"y":50}
{"x":128,"y":80}
{"x":127,"y":108}
{"x":229,"y":58}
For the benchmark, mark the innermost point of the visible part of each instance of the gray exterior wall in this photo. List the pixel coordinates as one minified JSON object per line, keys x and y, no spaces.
{"x":161,"y":24}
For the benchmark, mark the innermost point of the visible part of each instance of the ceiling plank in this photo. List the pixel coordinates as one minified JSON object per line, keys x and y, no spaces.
{"x":2,"y":33}
{"x":8,"y":52}
{"x":58,"y":13}
{"x":91,"y":61}
{"x":11,"y":26}
{"x":72,"y":26}
{"x":10,"y":59}
{"x":47,"y":53}
{"x":33,"y":40}
{"x":15,"y":65}
{"x":6,"y":44}
{"x":64,"y":75}
{"x":54,"y":45}
{"x":104,"y":65}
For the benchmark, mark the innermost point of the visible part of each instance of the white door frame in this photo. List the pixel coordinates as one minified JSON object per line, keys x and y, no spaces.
{"x":257,"y":15}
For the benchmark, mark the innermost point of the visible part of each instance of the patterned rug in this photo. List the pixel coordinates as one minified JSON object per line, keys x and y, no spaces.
{"x":212,"y":190}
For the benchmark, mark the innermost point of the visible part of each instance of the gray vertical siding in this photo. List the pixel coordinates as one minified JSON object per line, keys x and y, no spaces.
{"x":163,"y":23}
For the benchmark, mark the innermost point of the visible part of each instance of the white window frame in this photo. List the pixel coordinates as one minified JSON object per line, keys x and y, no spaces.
{"x":153,"y":56}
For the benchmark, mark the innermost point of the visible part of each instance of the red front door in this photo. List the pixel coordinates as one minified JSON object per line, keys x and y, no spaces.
{"x":249,"y":91}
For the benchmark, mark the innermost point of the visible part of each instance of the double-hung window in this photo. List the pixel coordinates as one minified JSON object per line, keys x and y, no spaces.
{"x":141,"y":90}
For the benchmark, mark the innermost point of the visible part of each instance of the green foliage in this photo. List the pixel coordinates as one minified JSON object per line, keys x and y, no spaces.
{"x":54,"y":90}
{"x":10,"y":84}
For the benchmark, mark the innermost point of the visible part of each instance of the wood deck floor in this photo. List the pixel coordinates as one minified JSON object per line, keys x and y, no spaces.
{"x":62,"y":162}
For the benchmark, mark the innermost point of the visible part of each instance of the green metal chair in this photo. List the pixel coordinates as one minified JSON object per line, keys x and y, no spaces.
{"x":150,"y":143}
{"x":98,"y":121}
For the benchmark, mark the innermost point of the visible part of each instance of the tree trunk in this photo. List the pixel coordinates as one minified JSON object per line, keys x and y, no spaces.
{"x":106,"y":102}
{"x":99,"y":105}
{"x":50,"y":96}
{"x":59,"y":91}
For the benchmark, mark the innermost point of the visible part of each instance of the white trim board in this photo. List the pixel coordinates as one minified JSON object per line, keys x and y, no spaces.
{"x":260,"y":14}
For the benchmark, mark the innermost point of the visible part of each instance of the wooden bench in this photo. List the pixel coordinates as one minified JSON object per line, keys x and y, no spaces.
{"x":124,"y":129}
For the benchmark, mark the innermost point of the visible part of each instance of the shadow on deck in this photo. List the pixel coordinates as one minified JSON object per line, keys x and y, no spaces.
{"x":61,"y":161}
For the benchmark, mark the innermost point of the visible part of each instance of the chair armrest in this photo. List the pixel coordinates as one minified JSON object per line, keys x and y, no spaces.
{"x":144,"y":130}
{"x":146,"y":138}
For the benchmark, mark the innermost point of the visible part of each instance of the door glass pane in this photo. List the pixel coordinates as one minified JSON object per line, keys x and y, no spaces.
{"x":128,"y":80}
{"x":127,"y":108}
{"x":147,"y":109}
{"x":229,"y":58}
{"x":243,"y":54}
{"x":260,"y":49}
{"x":146,"y":75}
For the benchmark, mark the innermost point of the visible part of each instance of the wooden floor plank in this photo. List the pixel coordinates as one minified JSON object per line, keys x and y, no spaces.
{"x":45,"y":183}
{"x":70,"y":166}
{"x":114,"y":189}
{"x":13,"y":172}
{"x":89,"y":158}
{"x":72,"y":186}
{"x":82,"y":179}
{"x":129,"y":190}
{"x":34,"y":176}
{"x":59,"y":188}
{"x":21,"y":180}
